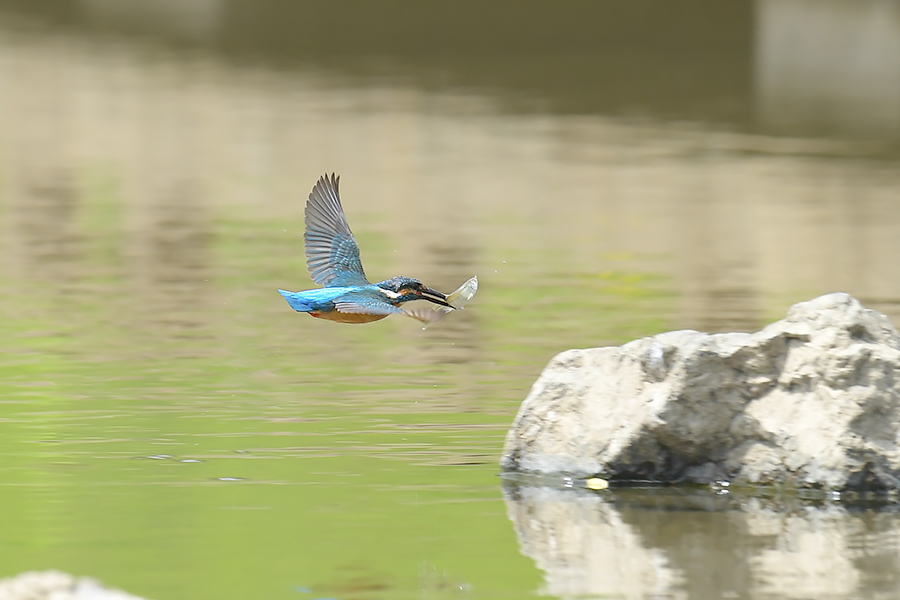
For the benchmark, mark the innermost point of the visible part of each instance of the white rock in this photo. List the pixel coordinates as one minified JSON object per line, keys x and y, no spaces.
{"x":57,"y":585}
{"x":810,"y":400}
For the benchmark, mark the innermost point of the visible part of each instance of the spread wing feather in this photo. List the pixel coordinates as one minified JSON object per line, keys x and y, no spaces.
{"x":332,"y":254}
{"x":427,"y":314}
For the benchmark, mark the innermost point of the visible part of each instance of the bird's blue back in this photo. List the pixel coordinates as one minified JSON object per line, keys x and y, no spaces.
{"x":316,"y":299}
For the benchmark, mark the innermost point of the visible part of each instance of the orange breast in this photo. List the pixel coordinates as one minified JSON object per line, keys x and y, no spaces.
{"x":340,"y":317}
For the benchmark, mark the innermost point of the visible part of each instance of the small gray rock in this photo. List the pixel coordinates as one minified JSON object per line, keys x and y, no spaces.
{"x":810,"y":400}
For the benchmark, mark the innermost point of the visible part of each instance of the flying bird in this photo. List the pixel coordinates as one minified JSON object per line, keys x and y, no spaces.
{"x":332,"y":256}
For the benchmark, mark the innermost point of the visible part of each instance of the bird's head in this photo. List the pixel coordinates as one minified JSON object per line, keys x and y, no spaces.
{"x":403,"y":289}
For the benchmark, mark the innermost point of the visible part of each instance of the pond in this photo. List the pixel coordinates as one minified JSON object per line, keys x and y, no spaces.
{"x":171,"y":427}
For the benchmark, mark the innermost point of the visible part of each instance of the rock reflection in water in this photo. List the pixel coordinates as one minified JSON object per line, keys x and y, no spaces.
{"x":663,"y":543}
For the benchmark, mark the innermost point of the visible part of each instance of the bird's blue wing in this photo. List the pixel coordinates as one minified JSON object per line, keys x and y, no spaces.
{"x":332,"y":253}
{"x":362,"y":304}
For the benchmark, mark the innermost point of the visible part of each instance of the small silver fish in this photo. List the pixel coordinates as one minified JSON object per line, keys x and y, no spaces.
{"x":457,"y":300}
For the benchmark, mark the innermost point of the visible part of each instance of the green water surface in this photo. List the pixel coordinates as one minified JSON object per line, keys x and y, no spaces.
{"x":193,"y":437}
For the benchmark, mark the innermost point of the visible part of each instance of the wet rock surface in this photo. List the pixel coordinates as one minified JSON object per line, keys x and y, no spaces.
{"x":56,"y":585}
{"x":810,"y":400}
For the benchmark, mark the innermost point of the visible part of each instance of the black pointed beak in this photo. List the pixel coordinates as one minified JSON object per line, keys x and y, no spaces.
{"x":434,"y":296}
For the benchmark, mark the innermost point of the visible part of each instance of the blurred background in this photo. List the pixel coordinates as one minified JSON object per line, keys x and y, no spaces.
{"x":609,"y":170}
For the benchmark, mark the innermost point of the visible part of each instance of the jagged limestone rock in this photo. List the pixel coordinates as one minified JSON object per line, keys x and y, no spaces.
{"x":810,"y":400}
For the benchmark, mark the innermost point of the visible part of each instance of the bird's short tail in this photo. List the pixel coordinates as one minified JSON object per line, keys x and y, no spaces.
{"x":295,"y":301}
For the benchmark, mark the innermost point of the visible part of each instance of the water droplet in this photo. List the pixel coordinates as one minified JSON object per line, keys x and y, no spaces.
{"x":190,"y":460}
{"x":504,"y":262}
{"x":231,"y":478}
{"x":159,"y":456}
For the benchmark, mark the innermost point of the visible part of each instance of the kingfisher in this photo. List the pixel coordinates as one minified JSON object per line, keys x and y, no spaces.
{"x":332,"y":256}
